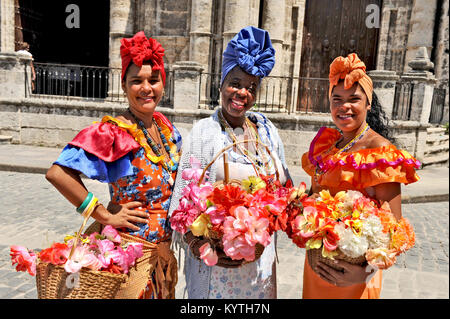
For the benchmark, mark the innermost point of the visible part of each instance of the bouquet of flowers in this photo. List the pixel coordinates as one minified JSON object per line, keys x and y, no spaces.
{"x":241,"y":215}
{"x":101,"y":252}
{"x":349,"y":226}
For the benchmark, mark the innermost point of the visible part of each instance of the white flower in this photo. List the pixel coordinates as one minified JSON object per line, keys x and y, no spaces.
{"x":373,"y":230}
{"x":349,"y":200}
{"x":350,"y":244}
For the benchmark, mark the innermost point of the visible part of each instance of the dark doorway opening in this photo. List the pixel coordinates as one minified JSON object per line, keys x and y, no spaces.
{"x":70,"y":58}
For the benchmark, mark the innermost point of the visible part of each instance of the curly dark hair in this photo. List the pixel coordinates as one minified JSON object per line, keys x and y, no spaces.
{"x":377,"y":119}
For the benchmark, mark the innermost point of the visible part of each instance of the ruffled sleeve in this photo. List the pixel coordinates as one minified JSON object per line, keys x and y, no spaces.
{"x":360,"y":169}
{"x":101,"y":151}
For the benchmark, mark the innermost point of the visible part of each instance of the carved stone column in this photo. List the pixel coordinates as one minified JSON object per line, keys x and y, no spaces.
{"x":200,"y":40}
{"x":7,"y":26}
{"x":273,"y":22}
{"x":200,"y":35}
{"x":274,"y":88}
{"x":421,"y":28}
{"x":422,"y":95}
{"x":239,"y":14}
{"x":121,"y":24}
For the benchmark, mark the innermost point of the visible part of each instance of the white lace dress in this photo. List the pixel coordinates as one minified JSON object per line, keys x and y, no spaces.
{"x":256,"y":280}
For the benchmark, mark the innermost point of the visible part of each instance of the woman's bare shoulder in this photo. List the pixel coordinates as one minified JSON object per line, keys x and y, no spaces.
{"x":375,"y":140}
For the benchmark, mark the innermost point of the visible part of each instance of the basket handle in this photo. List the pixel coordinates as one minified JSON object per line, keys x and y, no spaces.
{"x":253,"y":164}
{"x":77,"y":238}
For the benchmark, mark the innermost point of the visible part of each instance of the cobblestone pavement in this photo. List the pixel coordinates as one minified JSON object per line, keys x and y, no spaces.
{"x":34,"y":215}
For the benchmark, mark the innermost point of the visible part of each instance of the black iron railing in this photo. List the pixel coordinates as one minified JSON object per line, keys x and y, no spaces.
{"x":87,"y":82}
{"x":438,"y":105}
{"x":275,"y":94}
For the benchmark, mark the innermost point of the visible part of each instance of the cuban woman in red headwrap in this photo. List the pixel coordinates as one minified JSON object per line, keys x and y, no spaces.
{"x":137,"y":154}
{"x":357,"y":157}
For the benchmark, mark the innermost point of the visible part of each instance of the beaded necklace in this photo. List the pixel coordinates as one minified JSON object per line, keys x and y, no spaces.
{"x":348,"y":146}
{"x":156,"y":147}
{"x":260,"y":165}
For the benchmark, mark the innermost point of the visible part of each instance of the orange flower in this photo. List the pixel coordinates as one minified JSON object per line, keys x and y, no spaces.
{"x":228,"y":197}
{"x":387,"y":218}
{"x":403,"y":238}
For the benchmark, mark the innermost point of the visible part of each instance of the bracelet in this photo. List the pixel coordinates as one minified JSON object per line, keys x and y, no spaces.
{"x":85,"y":203}
{"x":91,"y":207}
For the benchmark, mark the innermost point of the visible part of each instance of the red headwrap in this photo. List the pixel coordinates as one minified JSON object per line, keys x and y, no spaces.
{"x":139,"y":49}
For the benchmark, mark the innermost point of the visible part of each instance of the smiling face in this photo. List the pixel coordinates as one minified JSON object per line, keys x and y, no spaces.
{"x":238,"y":93}
{"x":349,"y":107}
{"x":144,"y":88}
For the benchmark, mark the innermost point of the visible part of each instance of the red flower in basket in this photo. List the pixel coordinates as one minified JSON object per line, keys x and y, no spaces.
{"x":24,"y":258}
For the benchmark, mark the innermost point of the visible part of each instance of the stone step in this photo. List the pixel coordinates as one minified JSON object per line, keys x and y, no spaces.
{"x":439,"y":129}
{"x":4,"y":139}
{"x":437,"y":139}
{"x":441,"y":158}
{"x":437,"y":148}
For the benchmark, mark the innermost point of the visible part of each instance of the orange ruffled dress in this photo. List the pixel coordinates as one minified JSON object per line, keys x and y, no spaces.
{"x":359,"y":170}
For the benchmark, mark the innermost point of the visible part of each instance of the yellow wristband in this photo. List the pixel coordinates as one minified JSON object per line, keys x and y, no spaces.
{"x":90,"y":207}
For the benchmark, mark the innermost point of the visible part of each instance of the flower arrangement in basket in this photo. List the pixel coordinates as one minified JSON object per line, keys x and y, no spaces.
{"x":238,"y":217}
{"x":348,"y":226}
{"x":100,"y":261}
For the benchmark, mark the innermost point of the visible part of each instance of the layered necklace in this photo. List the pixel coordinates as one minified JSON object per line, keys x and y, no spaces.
{"x":262,"y":165}
{"x":156,"y":147}
{"x":349,"y":145}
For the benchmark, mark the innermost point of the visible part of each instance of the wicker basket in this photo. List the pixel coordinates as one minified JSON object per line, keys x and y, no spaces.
{"x":315,"y":255}
{"x":138,"y":275}
{"x":259,"y":249}
{"x":53,"y":282}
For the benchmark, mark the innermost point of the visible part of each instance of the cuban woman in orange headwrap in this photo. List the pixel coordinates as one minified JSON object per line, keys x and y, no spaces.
{"x":137,"y":154}
{"x":358,"y":157}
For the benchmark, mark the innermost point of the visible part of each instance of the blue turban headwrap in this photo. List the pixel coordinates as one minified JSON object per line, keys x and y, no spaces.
{"x":252,"y":50}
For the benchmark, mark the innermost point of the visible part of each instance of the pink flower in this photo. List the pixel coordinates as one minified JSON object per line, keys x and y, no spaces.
{"x":242,"y":232}
{"x":208,"y":255}
{"x":257,"y":231}
{"x":82,"y":257}
{"x":199,"y":194}
{"x":24,"y":258}
{"x":184,"y":216}
{"x":134,"y":251}
{"x":195,"y":172}
{"x":111,"y":233}
{"x":217,"y":216}
{"x":122,"y":258}
{"x":238,"y":248}
{"x":106,"y":248}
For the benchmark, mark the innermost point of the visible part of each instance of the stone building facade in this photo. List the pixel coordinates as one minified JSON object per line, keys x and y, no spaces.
{"x":402,"y":42}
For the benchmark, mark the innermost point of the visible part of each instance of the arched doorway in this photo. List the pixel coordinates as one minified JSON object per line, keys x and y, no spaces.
{"x":333,"y":28}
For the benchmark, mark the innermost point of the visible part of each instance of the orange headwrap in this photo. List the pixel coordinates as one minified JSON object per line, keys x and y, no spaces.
{"x":352,"y":69}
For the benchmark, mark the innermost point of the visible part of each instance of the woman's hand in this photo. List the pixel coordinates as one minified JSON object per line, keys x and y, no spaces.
{"x":126,"y":215}
{"x":350,"y":274}
{"x":195,"y":243}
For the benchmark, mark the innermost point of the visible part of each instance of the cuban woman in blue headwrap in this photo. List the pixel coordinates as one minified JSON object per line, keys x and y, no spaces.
{"x":248,"y":58}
